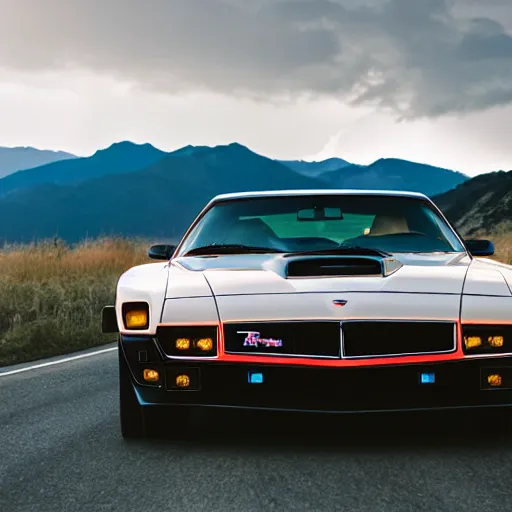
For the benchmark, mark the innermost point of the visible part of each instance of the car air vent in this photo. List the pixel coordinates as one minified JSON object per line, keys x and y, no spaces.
{"x":334,"y":266}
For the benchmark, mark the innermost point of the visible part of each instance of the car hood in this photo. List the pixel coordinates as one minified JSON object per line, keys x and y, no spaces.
{"x":267,"y":274}
{"x":255,"y":287}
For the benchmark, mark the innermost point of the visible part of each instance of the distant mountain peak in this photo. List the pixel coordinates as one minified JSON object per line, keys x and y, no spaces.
{"x":237,"y":145}
{"x":240,"y":149}
{"x":126,"y":145}
{"x":119,"y":157}
{"x":401,"y":161}
{"x":34,"y":149}
{"x":324,"y":160}
{"x":315,"y":168}
{"x":19,"y":158}
{"x":232,"y":149}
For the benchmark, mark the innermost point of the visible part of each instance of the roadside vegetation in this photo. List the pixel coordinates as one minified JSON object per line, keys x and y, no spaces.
{"x":51,"y":294}
{"x":503,"y":244}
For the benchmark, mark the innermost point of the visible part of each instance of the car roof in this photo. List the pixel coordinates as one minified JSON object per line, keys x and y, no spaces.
{"x":309,"y":192}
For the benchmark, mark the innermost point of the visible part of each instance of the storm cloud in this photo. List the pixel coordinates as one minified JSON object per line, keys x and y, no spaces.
{"x":415,"y":58}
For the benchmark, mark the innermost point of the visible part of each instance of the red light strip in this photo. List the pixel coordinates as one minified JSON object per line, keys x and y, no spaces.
{"x":305,"y":361}
{"x":458,"y":354}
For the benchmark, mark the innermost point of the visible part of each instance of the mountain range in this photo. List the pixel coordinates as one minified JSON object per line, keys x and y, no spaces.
{"x":19,"y":158}
{"x":119,"y":158}
{"x":138,"y":190}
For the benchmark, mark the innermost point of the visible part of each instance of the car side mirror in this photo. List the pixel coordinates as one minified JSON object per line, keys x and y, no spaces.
{"x":109,"y":320}
{"x":479,"y":247}
{"x":161,"y":252}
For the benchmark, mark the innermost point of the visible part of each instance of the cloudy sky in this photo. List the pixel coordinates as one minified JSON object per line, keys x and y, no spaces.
{"x":426,"y":80}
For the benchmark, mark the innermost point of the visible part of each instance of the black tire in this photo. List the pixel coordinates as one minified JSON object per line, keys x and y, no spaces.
{"x":133,"y":425}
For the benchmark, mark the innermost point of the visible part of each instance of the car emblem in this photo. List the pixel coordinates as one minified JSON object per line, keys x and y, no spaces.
{"x":339,"y":302}
{"x":254,"y":339}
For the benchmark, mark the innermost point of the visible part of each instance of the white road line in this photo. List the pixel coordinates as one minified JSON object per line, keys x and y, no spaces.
{"x":59,"y":361}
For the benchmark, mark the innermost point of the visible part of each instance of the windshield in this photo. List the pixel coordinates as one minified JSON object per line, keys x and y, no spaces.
{"x":324,"y":222}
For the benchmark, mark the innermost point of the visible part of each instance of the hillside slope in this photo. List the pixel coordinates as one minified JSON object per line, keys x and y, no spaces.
{"x":19,"y":158}
{"x":480,"y":206}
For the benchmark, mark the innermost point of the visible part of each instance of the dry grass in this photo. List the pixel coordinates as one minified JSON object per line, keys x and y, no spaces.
{"x":51,"y":295}
{"x":503,"y":243}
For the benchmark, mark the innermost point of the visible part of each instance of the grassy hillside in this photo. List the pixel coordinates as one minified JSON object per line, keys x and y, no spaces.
{"x":480,"y":206}
{"x":51,"y":296}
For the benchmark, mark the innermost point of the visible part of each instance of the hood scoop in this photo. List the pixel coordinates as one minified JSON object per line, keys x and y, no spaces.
{"x":341,"y":266}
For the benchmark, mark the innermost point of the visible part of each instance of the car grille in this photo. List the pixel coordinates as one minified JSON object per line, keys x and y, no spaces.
{"x":389,"y":338}
{"x":299,"y":339}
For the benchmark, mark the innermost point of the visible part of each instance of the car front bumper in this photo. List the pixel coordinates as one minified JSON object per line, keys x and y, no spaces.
{"x":441,"y":385}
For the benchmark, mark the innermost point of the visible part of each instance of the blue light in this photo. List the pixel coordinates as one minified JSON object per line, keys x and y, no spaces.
{"x":428,"y":378}
{"x":255,"y":378}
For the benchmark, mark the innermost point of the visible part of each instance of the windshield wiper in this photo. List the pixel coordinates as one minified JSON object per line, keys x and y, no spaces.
{"x":346,"y":249}
{"x":230,"y":249}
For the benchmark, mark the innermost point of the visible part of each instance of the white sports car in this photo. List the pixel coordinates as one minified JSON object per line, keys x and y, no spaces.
{"x":315,"y":300}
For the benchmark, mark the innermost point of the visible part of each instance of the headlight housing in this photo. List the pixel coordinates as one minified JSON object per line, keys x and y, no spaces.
{"x":188,"y":341}
{"x":486,"y":339}
{"x":136,"y":315}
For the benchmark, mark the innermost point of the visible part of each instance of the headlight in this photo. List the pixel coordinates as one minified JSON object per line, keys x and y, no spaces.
{"x":188,"y":341}
{"x":486,"y":339}
{"x":136,"y":315}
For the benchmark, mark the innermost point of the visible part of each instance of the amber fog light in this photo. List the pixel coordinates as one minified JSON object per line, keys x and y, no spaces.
{"x":472,"y":341}
{"x":183,"y":343}
{"x":151,"y":375}
{"x":495,"y":380}
{"x":183,"y":378}
{"x":182,"y":381}
{"x":495,"y":341}
{"x":205,"y":344}
{"x":487,"y":339}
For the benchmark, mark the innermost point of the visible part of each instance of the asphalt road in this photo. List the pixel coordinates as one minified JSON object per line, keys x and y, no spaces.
{"x":61,"y":450}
